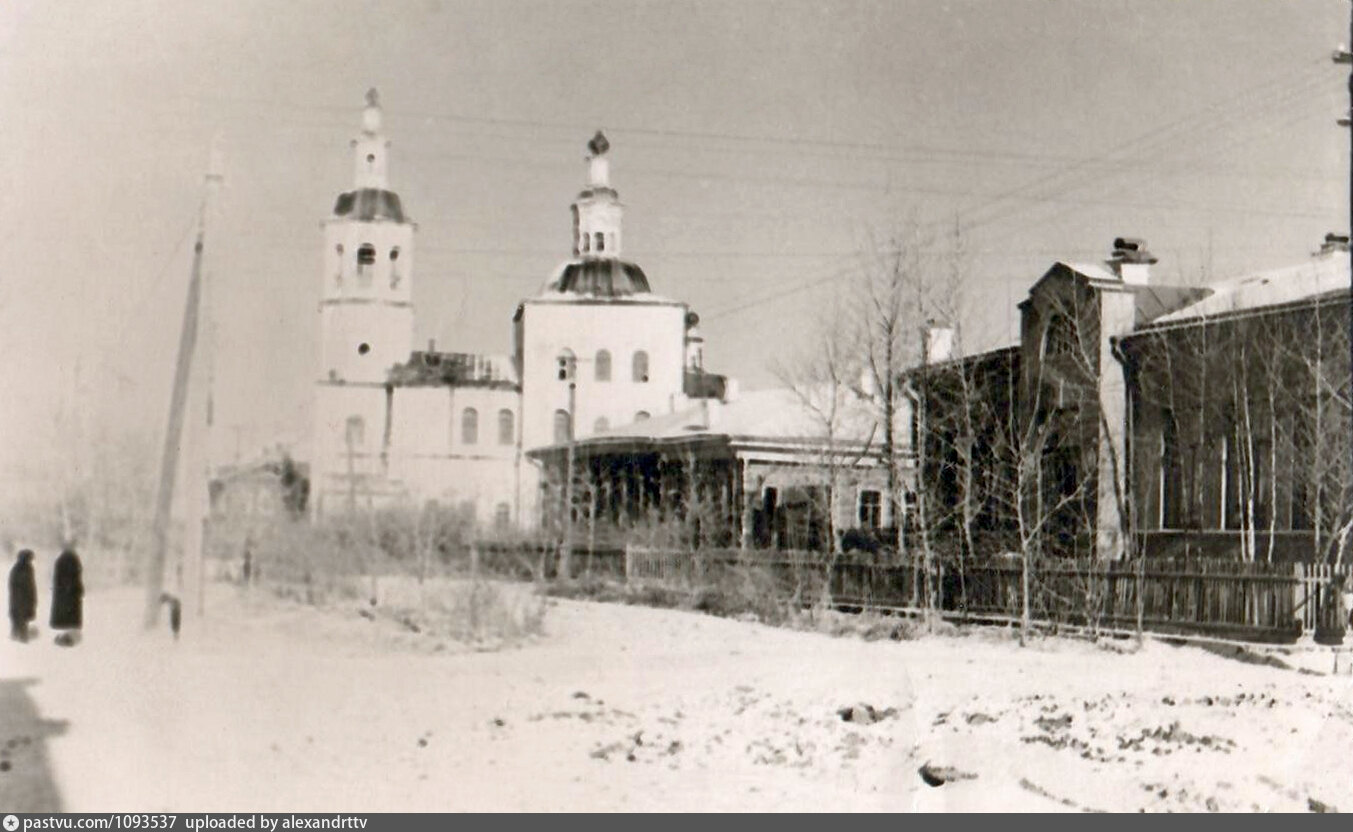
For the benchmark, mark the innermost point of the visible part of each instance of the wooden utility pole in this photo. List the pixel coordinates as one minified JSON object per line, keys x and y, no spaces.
{"x":173,"y":436}
{"x":1342,"y":55}
{"x":566,"y":548}
{"x":1349,"y":59}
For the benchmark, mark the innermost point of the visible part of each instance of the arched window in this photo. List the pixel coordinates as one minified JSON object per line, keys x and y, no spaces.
{"x":566,"y":365}
{"x":469,"y":426}
{"x":641,"y":367}
{"x":601,"y":424}
{"x":563,"y":427}
{"x":355,"y":431}
{"x":507,"y":427}
{"x":366,"y":264}
{"x":603,"y":365}
{"x":641,"y":416}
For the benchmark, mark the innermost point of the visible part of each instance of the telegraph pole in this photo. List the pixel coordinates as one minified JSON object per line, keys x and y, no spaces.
{"x":1342,"y":55}
{"x":566,"y":550}
{"x":178,"y":401}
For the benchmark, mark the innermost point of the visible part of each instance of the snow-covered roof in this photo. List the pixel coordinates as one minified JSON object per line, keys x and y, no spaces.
{"x":1151,"y":300}
{"x":1321,"y":275}
{"x":778,"y":414}
{"x":1094,"y":271}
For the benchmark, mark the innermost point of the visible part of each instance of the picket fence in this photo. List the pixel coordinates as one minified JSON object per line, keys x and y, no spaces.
{"x":1251,"y":601}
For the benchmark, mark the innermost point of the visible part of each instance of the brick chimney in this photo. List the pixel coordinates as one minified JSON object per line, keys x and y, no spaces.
{"x":1131,"y":261}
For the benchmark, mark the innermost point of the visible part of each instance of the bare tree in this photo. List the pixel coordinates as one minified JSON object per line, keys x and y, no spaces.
{"x":822,"y":378}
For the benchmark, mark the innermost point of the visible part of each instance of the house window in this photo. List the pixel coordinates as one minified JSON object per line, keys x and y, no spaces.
{"x":355,"y":432}
{"x":502,"y":516}
{"x":600,"y":424}
{"x":641,"y":416}
{"x":338,"y":275}
{"x":566,"y":365}
{"x":469,"y":426}
{"x":603,"y":363}
{"x":640,"y":368}
{"x":587,"y":242}
{"x":600,"y":241}
{"x":394,"y":268}
{"x":507,"y":427}
{"x":563,"y":427}
{"x":871,"y":509}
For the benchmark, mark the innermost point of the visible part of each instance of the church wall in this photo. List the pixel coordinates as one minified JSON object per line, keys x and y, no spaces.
{"x":585,"y":327}
{"x":386,"y":278}
{"x":387,"y":332}
{"x":432,"y":455}
{"x":336,"y":405}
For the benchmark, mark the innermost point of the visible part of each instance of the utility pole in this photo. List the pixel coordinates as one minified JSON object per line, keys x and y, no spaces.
{"x":1342,"y":55}
{"x":169,"y":463}
{"x":566,"y":548}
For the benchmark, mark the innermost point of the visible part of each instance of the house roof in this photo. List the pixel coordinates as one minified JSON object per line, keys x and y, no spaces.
{"x":1152,"y":300}
{"x":777,"y":415}
{"x":1321,"y":275}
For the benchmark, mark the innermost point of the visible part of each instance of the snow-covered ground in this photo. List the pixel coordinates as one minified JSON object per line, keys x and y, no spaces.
{"x":270,"y":706}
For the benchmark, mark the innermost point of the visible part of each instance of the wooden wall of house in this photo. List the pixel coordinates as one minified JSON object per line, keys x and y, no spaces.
{"x":1241,"y":425}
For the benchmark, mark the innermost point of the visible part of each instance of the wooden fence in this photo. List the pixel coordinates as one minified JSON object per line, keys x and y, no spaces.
{"x":1254,"y":601}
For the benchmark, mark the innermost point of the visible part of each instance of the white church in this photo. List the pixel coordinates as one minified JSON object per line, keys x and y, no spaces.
{"x":595,"y":349}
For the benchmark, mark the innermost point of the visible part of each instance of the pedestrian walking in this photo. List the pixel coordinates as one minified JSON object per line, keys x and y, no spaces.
{"x":175,"y":613}
{"x":23,"y":596}
{"x":68,"y":592}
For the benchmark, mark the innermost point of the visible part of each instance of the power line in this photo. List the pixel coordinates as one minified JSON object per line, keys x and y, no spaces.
{"x":1171,"y":132}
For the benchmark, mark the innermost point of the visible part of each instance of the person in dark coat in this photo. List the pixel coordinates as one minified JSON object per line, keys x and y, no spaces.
{"x":175,"y":613}
{"x":23,"y":595}
{"x":68,"y":592}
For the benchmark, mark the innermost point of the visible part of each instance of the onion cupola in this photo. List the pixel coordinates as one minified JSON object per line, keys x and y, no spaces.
{"x":597,"y":269}
{"x":371,"y":200}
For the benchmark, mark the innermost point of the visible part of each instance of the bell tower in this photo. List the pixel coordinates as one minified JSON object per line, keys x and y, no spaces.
{"x":366,"y":316}
{"x":366,"y":311}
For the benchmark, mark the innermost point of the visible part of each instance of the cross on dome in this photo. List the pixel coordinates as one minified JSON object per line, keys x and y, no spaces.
{"x":598,"y":145}
{"x":371,"y":116}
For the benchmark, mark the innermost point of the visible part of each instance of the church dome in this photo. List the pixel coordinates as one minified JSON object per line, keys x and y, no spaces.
{"x":369,"y":205}
{"x":607,"y":277}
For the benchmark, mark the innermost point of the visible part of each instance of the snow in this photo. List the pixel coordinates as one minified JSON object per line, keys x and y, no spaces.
{"x":776,"y":413}
{"x":267,"y":705}
{"x":1319,"y":276}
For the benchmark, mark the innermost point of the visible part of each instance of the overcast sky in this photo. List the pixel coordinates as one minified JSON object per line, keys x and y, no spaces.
{"x":757,"y":146}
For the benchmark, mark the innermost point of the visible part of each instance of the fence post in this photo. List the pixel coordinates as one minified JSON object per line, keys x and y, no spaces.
{"x":1300,"y":593}
{"x":1141,"y":594}
{"x":629,"y":563}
